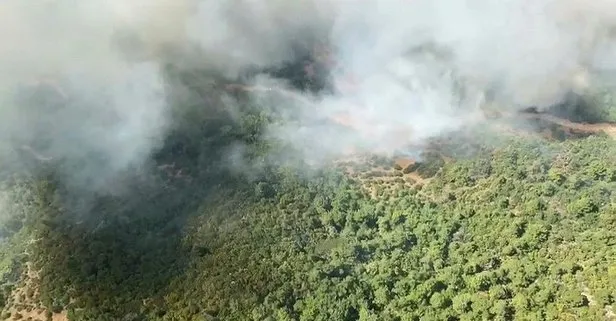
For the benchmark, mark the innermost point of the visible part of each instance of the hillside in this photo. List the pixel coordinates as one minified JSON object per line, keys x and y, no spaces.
{"x":315,"y":160}
{"x":511,"y":219}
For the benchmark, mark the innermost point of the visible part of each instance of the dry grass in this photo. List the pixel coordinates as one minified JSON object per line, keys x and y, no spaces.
{"x":24,"y":300}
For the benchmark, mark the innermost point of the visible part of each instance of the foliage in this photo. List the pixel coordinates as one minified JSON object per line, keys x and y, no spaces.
{"x":523,"y":231}
{"x":596,"y":105}
{"x":530,"y":238}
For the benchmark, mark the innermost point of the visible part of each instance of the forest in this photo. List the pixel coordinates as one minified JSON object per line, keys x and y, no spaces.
{"x":489,"y":224}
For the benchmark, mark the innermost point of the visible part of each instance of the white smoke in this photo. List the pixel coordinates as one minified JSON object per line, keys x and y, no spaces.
{"x":102,"y":114}
{"x":419,"y":68}
{"x":403,"y":71}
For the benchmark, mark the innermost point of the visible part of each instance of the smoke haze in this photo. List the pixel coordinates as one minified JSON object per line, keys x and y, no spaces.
{"x":400,"y":71}
{"x":69,"y":94}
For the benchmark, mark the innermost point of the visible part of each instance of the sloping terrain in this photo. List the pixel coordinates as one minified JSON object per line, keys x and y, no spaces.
{"x":510,"y":220}
{"x":517,"y":230}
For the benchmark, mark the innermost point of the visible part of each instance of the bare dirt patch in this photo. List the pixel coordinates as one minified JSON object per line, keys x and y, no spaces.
{"x":548,"y":125}
{"x":380,"y":176}
{"x":23,"y":303}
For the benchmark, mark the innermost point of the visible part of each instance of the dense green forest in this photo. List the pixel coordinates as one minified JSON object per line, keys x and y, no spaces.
{"x":489,"y":225}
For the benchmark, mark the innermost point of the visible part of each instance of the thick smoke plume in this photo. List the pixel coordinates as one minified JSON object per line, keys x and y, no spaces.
{"x":404,"y":71}
{"x":397,"y":72}
{"x":71,"y":96}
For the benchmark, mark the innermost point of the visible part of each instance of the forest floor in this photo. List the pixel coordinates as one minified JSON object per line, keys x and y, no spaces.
{"x":23,"y":303}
